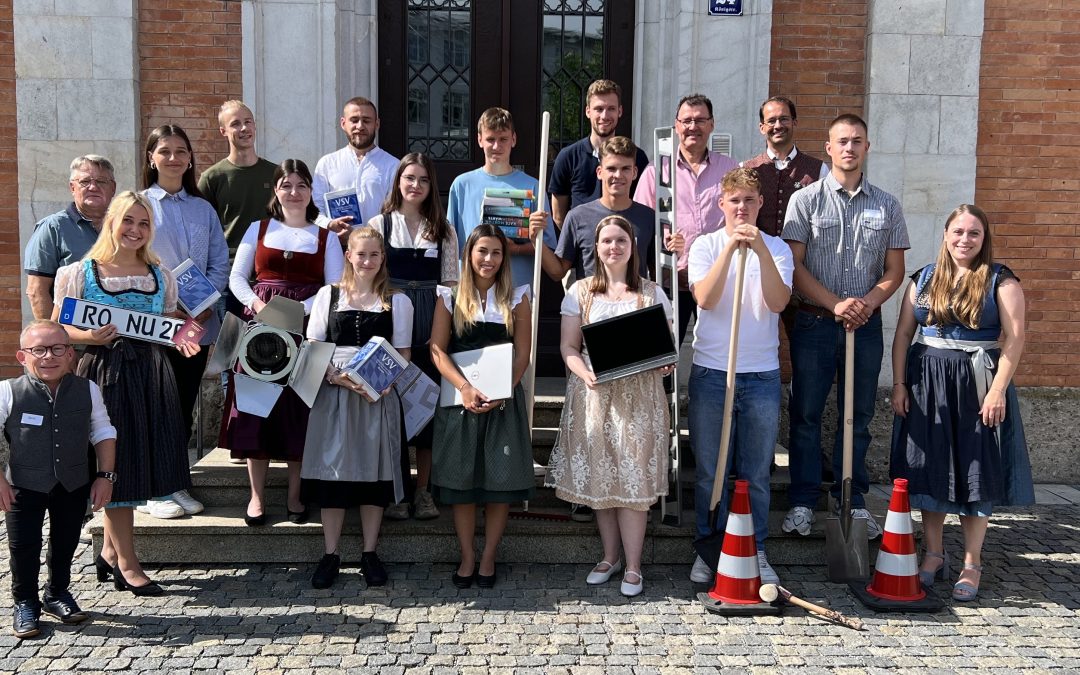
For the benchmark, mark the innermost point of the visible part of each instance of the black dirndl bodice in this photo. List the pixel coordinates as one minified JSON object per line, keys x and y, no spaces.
{"x":353,"y":328}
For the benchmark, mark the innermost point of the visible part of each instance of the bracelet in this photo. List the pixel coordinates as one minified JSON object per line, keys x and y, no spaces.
{"x":463,"y":385}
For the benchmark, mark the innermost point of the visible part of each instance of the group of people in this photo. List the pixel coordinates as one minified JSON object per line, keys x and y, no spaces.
{"x":822,"y":246}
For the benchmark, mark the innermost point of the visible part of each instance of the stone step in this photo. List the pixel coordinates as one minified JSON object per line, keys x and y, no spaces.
{"x":545,"y":535}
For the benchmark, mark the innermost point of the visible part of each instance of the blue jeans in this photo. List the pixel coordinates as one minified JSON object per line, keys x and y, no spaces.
{"x":817,"y":357}
{"x":755,"y":423}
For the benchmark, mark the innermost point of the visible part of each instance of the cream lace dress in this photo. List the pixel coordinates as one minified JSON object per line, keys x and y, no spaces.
{"x":612,"y":449}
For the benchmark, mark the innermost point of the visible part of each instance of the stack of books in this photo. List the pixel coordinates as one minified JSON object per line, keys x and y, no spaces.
{"x":509,"y":209}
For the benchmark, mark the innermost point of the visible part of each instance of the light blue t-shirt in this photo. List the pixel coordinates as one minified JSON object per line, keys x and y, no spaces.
{"x":463,"y":212}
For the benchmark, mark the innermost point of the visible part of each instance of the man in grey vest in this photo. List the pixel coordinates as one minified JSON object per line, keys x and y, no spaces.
{"x":50,"y":416}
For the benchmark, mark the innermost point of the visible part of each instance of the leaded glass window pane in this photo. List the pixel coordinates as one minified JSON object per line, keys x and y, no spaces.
{"x":439,"y":74}
{"x":573,"y":56}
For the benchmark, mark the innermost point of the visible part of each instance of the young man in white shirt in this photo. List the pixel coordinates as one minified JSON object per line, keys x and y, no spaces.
{"x":361,"y":165}
{"x":713,"y":266}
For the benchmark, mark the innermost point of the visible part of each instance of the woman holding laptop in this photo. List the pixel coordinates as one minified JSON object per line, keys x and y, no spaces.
{"x":612,"y":449}
{"x":482,"y":453}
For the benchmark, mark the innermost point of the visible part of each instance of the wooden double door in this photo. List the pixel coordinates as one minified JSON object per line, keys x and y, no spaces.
{"x":443,"y":62}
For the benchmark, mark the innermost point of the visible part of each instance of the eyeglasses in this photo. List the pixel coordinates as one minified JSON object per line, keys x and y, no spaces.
{"x":694,"y":121}
{"x":773,"y":121}
{"x":100,"y":183}
{"x":44,"y":350}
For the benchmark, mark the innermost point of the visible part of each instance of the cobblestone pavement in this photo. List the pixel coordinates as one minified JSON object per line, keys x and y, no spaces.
{"x":544,"y":619}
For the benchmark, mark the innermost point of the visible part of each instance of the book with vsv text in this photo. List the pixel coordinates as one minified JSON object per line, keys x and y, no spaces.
{"x":344,"y":203}
{"x":375,"y":367}
{"x":194,"y":291}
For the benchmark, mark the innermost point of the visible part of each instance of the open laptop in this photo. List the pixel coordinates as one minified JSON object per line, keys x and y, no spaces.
{"x":630,"y":343}
{"x":489,"y":369}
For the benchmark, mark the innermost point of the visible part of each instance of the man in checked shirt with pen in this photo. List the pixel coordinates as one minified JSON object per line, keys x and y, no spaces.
{"x":847,"y":239}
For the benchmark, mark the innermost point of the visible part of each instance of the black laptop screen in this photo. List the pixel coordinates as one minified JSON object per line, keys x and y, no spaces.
{"x":630,"y":338}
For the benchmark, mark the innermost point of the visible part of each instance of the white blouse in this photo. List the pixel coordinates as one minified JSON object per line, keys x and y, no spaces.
{"x":399,"y":238}
{"x":602,"y":308}
{"x":70,"y":283}
{"x":400,"y":303}
{"x":283,"y":238}
{"x":490,"y":313}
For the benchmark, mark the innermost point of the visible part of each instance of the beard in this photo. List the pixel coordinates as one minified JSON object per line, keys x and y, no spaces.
{"x":362,"y":141}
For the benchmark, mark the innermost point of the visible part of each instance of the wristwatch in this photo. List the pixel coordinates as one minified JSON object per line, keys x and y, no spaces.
{"x":107,"y":475}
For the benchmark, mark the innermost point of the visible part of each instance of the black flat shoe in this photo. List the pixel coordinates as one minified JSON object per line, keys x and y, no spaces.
{"x":485,"y":580}
{"x":63,"y":607}
{"x":297,"y":517}
{"x":255,"y":521}
{"x":121,"y":584}
{"x":463,"y":582}
{"x":373,"y":569}
{"x":104,"y":569}
{"x":326,"y":571}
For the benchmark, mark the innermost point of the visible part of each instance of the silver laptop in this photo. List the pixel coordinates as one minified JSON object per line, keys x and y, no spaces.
{"x":630,"y":343}
{"x":489,"y":369}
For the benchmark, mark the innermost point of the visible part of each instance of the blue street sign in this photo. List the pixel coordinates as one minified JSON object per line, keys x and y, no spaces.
{"x":725,"y":7}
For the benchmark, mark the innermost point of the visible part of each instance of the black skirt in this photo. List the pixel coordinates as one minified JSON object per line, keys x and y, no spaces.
{"x":139,"y":390}
{"x":340,"y":494}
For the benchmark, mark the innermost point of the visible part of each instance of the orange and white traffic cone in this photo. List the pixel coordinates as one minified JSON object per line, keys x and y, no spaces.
{"x":735,"y":591}
{"x":895,"y":586}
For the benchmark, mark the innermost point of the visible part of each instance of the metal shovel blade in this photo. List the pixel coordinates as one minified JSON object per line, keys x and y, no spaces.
{"x":846,"y":549}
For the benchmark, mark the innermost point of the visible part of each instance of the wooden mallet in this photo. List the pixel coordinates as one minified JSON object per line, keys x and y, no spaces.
{"x":770,"y":592}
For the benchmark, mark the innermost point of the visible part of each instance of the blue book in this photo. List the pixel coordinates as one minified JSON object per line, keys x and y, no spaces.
{"x":375,"y":367}
{"x":344,"y":203}
{"x":194,"y":291}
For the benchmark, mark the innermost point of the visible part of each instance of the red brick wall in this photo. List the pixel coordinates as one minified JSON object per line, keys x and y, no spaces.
{"x":189,"y":63}
{"x":1028,"y":160}
{"x":10,"y":248}
{"x":818,"y":61}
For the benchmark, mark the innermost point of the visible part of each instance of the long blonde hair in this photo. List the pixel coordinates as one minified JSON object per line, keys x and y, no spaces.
{"x":381,"y":284}
{"x":467,"y":298}
{"x":108,"y":243}
{"x":600,"y":280}
{"x":963,"y":300}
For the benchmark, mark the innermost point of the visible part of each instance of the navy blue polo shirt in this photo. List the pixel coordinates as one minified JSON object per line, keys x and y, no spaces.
{"x":58,"y":239}
{"x":574,"y":173}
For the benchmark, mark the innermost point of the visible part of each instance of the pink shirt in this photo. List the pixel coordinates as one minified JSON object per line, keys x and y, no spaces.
{"x":697,"y":197}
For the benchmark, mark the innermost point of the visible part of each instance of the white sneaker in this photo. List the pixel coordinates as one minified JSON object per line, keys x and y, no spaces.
{"x":163,"y":508}
{"x":190,"y":505}
{"x":798,"y":519}
{"x":765,"y":570}
{"x":701,"y":573}
{"x":873,"y":530}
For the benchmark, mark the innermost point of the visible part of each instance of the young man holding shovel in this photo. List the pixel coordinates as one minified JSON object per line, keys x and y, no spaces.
{"x":713,"y":267}
{"x":848,"y":239}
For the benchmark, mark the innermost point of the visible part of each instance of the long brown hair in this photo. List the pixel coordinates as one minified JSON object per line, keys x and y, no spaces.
{"x":961,"y":300}
{"x":150,"y":172}
{"x":108,"y":243}
{"x":600,"y":280}
{"x":467,"y":298}
{"x":381,"y":284}
{"x":435,"y":227}
{"x":273,"y":207}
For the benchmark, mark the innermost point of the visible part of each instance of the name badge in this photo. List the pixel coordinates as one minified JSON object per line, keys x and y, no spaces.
{"x":32,"y":420}
{"x":431,"y":252}
{"x":873,"y":213}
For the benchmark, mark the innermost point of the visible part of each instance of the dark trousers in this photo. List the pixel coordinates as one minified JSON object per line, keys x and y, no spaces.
{"x":188,"y":373}
{"x":687,"y":307}
{"x":24,"y":522}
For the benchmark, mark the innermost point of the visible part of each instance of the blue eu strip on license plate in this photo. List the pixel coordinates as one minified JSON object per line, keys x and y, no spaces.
{"x":145,"y":326}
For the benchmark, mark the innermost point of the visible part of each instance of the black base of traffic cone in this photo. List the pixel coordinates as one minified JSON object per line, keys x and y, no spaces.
{"x":737,"y":609}
{"x":930,"y":603}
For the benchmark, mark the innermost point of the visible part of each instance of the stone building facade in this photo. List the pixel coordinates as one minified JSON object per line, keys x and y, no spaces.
{"x":967,"y":100}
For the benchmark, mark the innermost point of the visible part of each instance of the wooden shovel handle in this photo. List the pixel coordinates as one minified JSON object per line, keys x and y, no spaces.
{"x":729,"y":391}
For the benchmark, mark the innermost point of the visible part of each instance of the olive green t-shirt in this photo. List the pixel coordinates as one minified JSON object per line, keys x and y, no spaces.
{"x":239,"y":194}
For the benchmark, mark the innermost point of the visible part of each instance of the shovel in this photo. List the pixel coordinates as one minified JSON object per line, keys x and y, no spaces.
{"x":845,"y":538}
{"x":708,"y":547}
